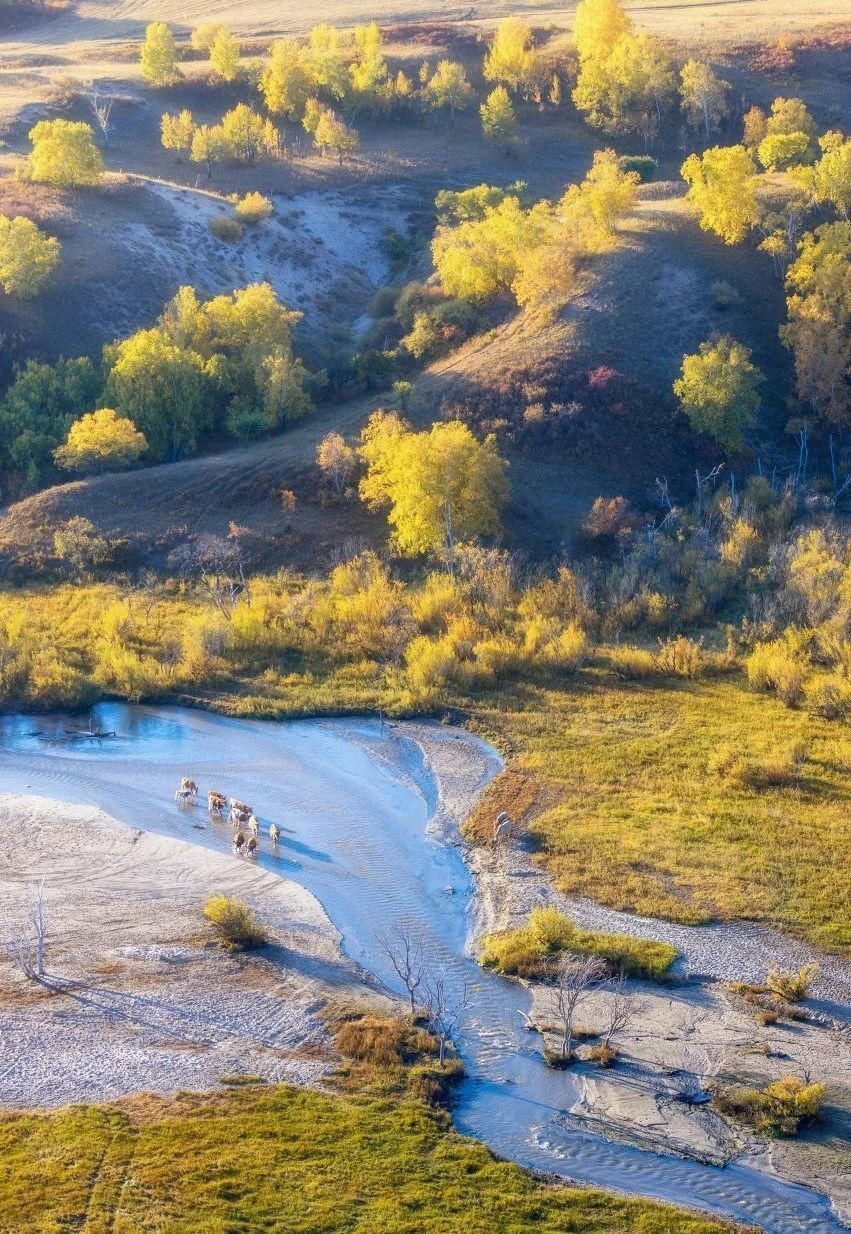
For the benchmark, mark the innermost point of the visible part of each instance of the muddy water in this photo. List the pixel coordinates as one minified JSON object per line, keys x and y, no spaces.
{"x":354,"y":800}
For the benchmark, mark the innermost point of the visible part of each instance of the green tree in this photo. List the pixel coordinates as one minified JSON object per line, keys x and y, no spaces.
{"x":177,"y":131}
{"x":818,"y":331}
{"x":27,"y":257}
{"x":499,"y":123}
{"x":449,"y":87}
{"x":440,"y":487}
{"x":37,"y":411}
{"x":722,"y":187}
{"x":100,"y":441}
{"x":64,"y":153}
{"x":286,"y":81}
{"x":718,"y":390}
{"x":163,"y":389}
{"x":158,"y":58}
{"x":224,"y":55}
{"x":704,"y":97}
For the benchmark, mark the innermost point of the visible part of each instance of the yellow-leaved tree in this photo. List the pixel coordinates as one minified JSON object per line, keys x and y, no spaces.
{"x":440,"y":486}
{"x":511,"y":59}
{"x":224,"y":55}
{"x":818,"y":331}
{"x":718,"y":390}
{"x":286,"y":82}
{"x":722,"y":187}
{"x":101,"y":441}
{"x":158,"y":57}
{"x":64,"y":153}
{"x":27,"y":257}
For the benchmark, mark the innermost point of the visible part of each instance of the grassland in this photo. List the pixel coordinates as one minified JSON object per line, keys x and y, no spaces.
{"x":632,"y":814}
{"x":256,"y":1160}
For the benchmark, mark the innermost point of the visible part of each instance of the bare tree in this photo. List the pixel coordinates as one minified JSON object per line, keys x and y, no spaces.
{"x":405,"y":952}
{"x":26,"y":945}
{"x":444,"y":1011}
{"x":101,"y":105}
{"x":572,"y":977}
{"x":621,"y":1010}
{"x":218,"y":564}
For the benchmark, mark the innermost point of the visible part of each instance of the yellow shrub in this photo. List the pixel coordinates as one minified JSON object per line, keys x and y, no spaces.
{"x":781,"y":665}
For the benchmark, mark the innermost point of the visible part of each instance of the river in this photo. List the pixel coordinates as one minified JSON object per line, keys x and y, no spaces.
{"x":356,"y":802}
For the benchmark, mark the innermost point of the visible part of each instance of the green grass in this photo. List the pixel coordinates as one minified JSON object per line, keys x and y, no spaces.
{"x":630,"y":813}
{"x":285,"y":1161}
{"x":524,"y":952}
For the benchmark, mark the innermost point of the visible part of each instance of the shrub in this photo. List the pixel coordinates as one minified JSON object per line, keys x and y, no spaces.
{"x":235,"y":924}
{"x":780,"y":665}
{"x":724,"y":295}
{"x":644,"y":164}
{"x":632,"y":663}
{"x":780,"y":1109}
{"x":524,"y":952}
{"x":792,"y":987}
{"x":681,"y":657}
{"x":225,"y":229}
{"x":253,"y":208}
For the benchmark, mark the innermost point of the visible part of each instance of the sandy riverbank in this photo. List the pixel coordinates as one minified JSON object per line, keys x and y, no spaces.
{"x":141,"y":998}
{"x":693,"y":1026}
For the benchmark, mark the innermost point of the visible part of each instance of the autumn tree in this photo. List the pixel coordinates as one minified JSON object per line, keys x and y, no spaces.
{"x":440,"y":487}
{"x":818,"y":331}
{"x":597,"y":26}
{"x":101,"y":441}
{"x":224,"y":55}
{"x":704,"y":97}
{"x":177,"y":131}
{"x":829,"y":180}
{"x":779,"y":151}
{"x":286,"y":81}
{"x":627,"y":90}
{"x":722,"y":187}
{"x":158,"y":58}
{"x":608,"y":191}
{"x":163,"y":389}
{"x":204,"y":36}
{"x":246,"y":134}
{"x":718,"y":390}
{"x":499,"y":123}
{"x":511,"y":59}
{"x":336,"y":460}
{"x":449,"y":88}
{"x":64,"y":153}
{"x":369,"y":75}
{"x":327,"y":63}
{"x":208,"y":146}
{"x":27,"y":257}
{"x":334,"y":135}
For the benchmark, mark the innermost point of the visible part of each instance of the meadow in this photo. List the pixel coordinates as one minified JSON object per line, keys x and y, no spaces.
{"x":273,"y":1160}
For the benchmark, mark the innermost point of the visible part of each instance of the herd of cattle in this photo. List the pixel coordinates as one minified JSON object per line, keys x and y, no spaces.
{"x":240,"y":816}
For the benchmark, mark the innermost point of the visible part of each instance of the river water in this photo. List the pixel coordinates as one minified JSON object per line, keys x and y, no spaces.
{"x":354,"y":800}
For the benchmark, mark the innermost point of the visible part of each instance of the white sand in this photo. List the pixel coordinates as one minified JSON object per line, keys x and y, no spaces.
{"x":140,"y":998}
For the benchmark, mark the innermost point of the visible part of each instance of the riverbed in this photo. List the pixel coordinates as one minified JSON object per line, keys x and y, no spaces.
{"x":368,"y":814}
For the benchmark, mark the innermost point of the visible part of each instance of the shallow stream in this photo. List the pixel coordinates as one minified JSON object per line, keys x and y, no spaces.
{"x":356,"y":802}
